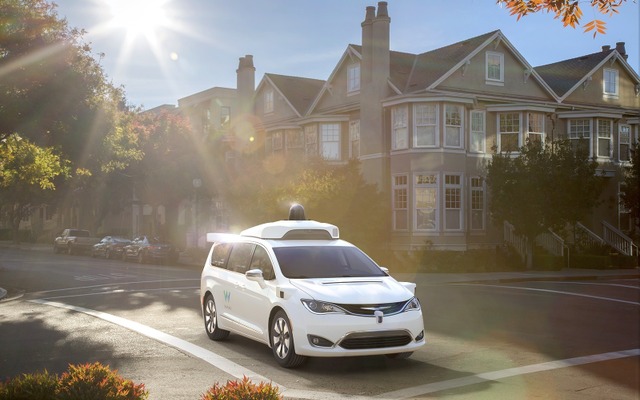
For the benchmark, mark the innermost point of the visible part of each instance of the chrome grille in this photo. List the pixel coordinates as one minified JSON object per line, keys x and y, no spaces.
{"x":370,"y":309}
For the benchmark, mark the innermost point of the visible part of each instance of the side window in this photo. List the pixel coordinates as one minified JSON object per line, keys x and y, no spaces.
{"x":240,"y":257}
{"x":262,"y":262}
{"x":220,"y":254}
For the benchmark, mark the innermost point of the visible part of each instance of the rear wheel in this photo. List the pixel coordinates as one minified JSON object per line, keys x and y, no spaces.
{"x":282,"y":345}
{"x":210,"y":316}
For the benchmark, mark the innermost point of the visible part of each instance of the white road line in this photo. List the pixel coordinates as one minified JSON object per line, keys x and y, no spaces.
{"x":121,"y":291}
{"x":550,"y":291}
{"x":506,"y":373}
{"x":595,"y":284}
{"x":217,"y":361}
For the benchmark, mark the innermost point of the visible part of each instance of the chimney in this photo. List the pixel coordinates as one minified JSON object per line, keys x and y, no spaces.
{"x":367,"y":45}
{"x":246,"y":83}
{"x":620,"y":49}
{"x":606,"y":48}
{"x":381,"y":51}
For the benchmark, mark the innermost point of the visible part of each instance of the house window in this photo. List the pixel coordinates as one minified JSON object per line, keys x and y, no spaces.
{"x":453,"y":126}
{"x":477,"y":203}
{"x":225,"y":116}
{"x":311,"y":140}
{"x":452,"y":203}
{"x":400,"y":133}
{"x":624,"y":142}
{"x":354,"y":139}
{"x":494,"y":67}
{"x":509,"y":131}
{"x":426,"y":125}
{"x":400,"y":202}
{"x":610,"y":83}
{"x":353,"y":78}
{"x":330,"y":141}
{"x":295,"y":140}
{"x":535,"y":130}
{"x":426,"y":198}
{"x":268,"y":101}
{"x":580,"y":134}
{"x":604,"y":138}
{"x":478,"y":132}
{"x":277,"y":141}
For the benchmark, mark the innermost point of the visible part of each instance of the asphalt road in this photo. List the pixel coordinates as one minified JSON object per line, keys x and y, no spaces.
{"x":485,"y":340}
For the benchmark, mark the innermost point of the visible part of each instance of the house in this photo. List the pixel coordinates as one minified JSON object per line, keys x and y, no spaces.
{"x":424,"y":126}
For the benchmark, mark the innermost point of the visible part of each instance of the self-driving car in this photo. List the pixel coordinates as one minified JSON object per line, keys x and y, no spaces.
{"x":295,"y":286}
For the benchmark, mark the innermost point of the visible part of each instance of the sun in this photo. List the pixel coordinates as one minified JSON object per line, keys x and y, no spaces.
{"x":138,"y":17}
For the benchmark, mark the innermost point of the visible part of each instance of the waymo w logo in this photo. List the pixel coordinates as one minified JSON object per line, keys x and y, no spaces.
{"x":227,"y":296}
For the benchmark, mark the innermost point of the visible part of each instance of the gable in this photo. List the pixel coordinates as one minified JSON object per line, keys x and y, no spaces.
{"x":335,"y":94}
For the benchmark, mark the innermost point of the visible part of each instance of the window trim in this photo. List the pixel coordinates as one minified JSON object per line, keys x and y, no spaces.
{"x":353,"y":78}
{"x":606,"y":80}
{"x":609,"y":138}
{"x":460,"y":187}
{"x":483,"y":145}
{"x":268,"y":101}
{"x":436,"y":125}
{"x":352,"y":131}
{"x":627,"y":143}
{"x":519,"y":132}
{"x":460,"y":127}
{"x":323,"y":141}
{"x":394,"y":209}
{"x":542,"y":133}
{"x":395,"y":129}
{"x":483,"y":210}
{"x":488,"y":79}
{"x":415,"y":188}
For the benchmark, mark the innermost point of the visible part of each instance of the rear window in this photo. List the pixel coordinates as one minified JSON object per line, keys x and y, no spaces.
{"x":78,"y":233}
{"x":306,"y":262}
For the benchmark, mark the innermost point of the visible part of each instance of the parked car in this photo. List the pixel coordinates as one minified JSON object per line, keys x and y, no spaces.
{"x":74,"y":241}
{"x":296,"y":287}
{"x":109,"y":247}
{"x":145,"y":249}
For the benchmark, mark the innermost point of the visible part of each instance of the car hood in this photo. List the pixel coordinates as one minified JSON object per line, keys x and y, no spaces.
{"x":373,"y":290}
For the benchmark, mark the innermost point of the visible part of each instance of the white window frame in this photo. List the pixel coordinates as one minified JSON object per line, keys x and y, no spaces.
{"x":578,"y":134}
{"x":490,"y":80}
{"x":622,"y":142}
{"x":330,"y":141}
{"x":294,"y":140}
{"x":400,"y":201}
{"x":476,"y":132}
{"x":399,"y":128}
{"x":477,"y":190}
{"x":454,"y":125}
{"x":604,"y":134}
{"x":423,"y":121}
{"x":455,"y":189}
{"x":268,"y":101}
{"x":518,"y":133}
{"x":354,"y":139}
{"x":610,"y":83}
{"x":536,"y":127}
{"x":429,"y":181}
{"x":353,"y":78}
{"x":311,"y":140}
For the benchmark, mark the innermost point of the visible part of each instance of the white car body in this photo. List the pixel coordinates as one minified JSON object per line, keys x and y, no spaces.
{"x":363,"y":315}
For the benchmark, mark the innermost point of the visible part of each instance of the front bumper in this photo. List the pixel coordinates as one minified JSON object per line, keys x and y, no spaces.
{"x":349,"y":335}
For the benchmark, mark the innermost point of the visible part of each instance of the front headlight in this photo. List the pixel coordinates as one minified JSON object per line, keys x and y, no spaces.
{"x":321,"y":307}
{"x":412,"y":305}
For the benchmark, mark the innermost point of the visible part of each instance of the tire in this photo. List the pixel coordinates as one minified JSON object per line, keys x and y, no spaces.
{"x":210,"y":316}
{"x":399,"y":356}
{"x":281,"y":338}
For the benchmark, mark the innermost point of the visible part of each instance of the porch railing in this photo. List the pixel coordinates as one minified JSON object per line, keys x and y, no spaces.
{"x":587,"y":237}
{"x":518,"y":242}
{"x":552,"y":243}
{"x":618,"y":240}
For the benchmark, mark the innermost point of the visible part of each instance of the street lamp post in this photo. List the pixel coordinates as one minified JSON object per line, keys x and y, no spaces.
{"x":197,"y":182}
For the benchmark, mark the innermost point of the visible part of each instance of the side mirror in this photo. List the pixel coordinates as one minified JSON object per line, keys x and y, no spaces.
{"x":385,"y":270}
{"x":255,"y":275}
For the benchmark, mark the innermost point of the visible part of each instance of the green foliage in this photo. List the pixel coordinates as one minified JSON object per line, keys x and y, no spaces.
{"x":631,"y":189}
{"x":243,"y":390}
{"x":41,"y":386}
{"x":87,"y":381}
{"x":545,"y":186}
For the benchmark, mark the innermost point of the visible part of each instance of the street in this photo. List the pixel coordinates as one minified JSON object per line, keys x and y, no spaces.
{"x":486,"y":339}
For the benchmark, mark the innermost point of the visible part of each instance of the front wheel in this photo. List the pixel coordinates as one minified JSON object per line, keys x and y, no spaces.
{"x":282,"y":344}
{"x":210,"y":316}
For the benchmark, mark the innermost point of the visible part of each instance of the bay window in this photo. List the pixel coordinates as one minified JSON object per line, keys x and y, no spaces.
{"x":452,"y":203}
{"x":400,"y":202}
{"x":330,"y":141}
{"x":604,"y":138}
{"x":453,"y":126}
{"x":425,"y":125}
{"x":509,"y":131}
{"x":426,"y":202}
{"x":400,"y":132}
{"x":478,"y":132}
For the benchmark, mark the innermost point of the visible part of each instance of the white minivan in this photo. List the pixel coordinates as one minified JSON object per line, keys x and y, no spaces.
{"x":296,"y":287}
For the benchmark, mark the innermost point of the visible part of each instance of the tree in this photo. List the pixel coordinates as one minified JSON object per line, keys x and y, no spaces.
{"x":27,"y":173}
{"x":631,"y":188}
{"x":569,"y":11}
{"x":544,"y":187}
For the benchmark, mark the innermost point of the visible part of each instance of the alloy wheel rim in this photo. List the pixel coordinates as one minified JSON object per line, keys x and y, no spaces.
{"x":210,"y":316}
{"x":281,"y":338}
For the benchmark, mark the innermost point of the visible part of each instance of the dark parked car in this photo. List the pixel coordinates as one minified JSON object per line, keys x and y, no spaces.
{"x":146,"y":249}
{"x":109,"y":247}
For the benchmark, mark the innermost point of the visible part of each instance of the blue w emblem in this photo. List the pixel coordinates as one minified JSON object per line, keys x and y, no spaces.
{"x":227,"y":296}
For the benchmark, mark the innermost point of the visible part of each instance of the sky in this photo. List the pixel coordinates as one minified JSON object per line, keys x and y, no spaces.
{"x":170,"y":49}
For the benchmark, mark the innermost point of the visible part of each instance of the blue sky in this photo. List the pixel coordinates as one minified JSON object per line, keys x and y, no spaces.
{"x":197,"y":43}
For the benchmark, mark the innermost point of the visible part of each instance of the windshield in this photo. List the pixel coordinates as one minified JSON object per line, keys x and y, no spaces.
{"x":325,"y":262}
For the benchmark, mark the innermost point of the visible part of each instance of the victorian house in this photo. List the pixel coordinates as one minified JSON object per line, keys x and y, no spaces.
{"x":423,"y":126}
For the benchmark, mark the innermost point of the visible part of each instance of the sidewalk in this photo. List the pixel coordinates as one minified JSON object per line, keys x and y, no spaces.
{"x":434,"y":278}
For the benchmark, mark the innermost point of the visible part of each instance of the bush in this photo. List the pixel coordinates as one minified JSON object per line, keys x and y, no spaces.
{"x":88,"y":381}
{"x":40,"y":386}
{"x":546,"y":262}
{"x":243,"y":390}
